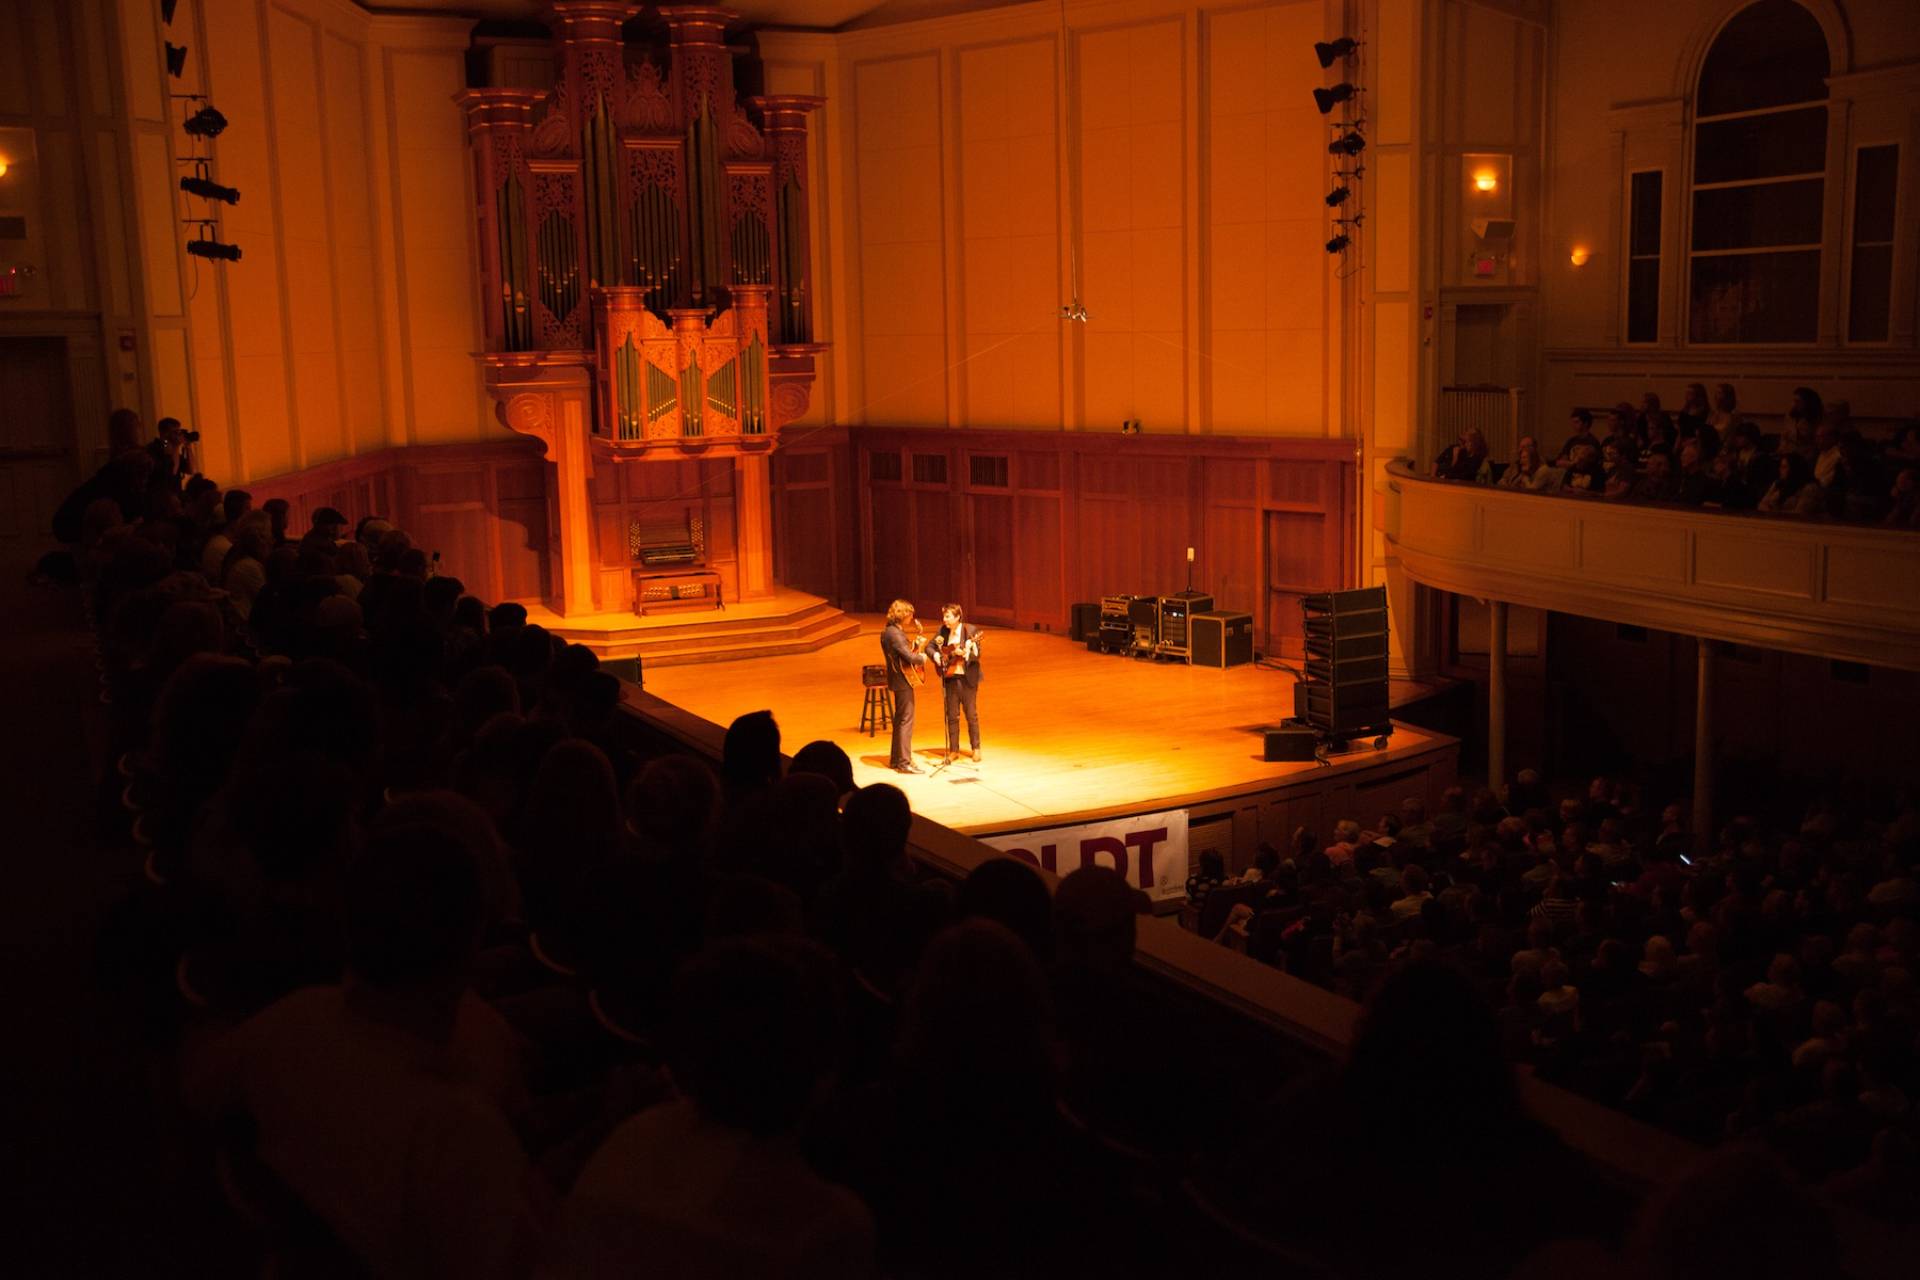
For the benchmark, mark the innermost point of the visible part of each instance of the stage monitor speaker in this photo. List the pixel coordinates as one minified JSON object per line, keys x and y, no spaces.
{"x":1086,"y":621}
{"x":627,"y":669}
{"x":1291,"y":742}
{"x":1221,"y":638}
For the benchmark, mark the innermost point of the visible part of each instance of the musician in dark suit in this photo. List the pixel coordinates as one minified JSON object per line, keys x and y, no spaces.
{"x":956,"y":648}
{"x":901,"y":654}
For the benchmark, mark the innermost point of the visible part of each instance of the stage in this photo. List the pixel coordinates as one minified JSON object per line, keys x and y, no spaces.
{"x":1071,"y":737}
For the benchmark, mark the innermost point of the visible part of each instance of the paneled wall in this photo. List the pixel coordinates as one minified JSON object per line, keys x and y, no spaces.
{"x":349,"y":324}
{"x":1166,"y":153}
{"x":483,"y":507}
{"x":1019,"y":525}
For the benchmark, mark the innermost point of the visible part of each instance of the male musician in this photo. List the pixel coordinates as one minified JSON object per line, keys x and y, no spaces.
{"x":957,"y":650}
{"x":902,"y":654}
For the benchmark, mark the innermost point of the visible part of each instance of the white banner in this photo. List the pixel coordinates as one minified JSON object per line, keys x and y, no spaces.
{"x":1149,"y":849}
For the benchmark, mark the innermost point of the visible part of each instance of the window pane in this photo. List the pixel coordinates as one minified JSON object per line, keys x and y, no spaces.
{"x":1761,"y":146}
{"x":1876,"y":172}
{"x":1644,"y":237}
{"x":987,"y":470}
{"x":1872,"y":294}
{"x":1754,"y":217}
{"x":1772,"y":53}
{"x":1756,"y":297}
{"x":929,"y":468}
{"x":1643,"y":300}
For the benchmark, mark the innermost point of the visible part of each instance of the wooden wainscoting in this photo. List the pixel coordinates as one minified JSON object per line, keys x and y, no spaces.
{"x":1018,"y":525}
{"x":482,"y":506}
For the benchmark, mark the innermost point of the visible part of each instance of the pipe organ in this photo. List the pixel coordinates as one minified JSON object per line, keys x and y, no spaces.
{"x":644,"y":260}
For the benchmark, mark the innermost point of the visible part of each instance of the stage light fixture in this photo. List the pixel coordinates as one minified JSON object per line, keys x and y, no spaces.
{"x":166,"y":10}
{"x":214,"y":249}
{"x":1339,"y":243}
{"x":176,"y":59}
{"x":1328,"y":99}
{"x":1337,"y":197}
{"x":1328,"y":51}
{"x":208,"y":190}
{"x":205,"y":123}
{"x":1351,"y":144}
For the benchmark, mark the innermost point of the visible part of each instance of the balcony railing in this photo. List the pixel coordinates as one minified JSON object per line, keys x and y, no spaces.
{"x":1804,"y":586}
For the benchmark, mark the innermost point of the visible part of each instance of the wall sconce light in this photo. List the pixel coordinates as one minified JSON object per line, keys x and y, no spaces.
{"x":1485,"y":180}
{"x":3,"y":166}
{"x":1580,"y":255}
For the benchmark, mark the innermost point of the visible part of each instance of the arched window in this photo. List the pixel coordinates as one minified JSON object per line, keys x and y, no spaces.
{"x":1759,"y":179}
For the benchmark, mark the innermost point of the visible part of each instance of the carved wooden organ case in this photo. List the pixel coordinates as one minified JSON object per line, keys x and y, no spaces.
{"x":642,"y":223}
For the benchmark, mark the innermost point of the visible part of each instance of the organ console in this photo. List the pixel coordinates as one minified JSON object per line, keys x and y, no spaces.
{"x":644,"y":256}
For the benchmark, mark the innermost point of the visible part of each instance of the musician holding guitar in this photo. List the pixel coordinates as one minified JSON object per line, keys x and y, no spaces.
{"x":956,"y":648}
{"x":906,"y":672}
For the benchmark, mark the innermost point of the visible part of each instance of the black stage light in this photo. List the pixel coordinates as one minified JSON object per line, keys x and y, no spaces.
{"x":1336,"y":245}
{"x":1341,"y":48}
{"x":205,"y":123}
{"x":1351,"y":144}
{"x":210,"y":190}
{"x":1327,"y":99}
{"x":1335,"y":198}
{"x":214,"y":249}
{"x":176,"y":59}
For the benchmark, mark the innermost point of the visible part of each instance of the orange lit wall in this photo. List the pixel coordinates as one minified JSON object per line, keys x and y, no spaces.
{"x":1173,"y":148}
{"x":350,"y":322}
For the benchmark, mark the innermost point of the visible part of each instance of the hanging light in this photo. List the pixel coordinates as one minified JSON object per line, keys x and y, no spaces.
{"x":1328,"y":51}
{"x":1351,"y":144}
{"x":1328,"y":99}
{"x":1339,"y":243}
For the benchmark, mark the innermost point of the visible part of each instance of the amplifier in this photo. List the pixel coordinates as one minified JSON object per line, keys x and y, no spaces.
{"x":1086,"y":621}
{"x":1175,"y":610}
{"x":1221,"y":639}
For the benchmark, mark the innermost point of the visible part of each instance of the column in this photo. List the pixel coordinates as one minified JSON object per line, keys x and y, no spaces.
{"x":1497,"y":696}
{"x":1703,"y":750}
{"x":753,"y":506}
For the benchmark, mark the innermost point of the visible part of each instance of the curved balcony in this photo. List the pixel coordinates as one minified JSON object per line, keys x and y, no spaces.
{"x":1804,"y":586}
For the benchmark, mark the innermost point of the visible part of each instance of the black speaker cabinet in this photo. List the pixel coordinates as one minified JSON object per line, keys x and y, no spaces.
{"x":1086,"y":621}
{"x":1291,"y":742}
{"x":1344,"y":694}
{"x":1221,"y":638}
{"x":627,"y":669}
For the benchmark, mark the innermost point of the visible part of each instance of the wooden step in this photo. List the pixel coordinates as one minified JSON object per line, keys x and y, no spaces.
{"x":695,"y":623}
{"x":791,"y":643}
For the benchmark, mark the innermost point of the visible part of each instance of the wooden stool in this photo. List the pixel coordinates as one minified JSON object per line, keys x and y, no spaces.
{"x":876,"y":712}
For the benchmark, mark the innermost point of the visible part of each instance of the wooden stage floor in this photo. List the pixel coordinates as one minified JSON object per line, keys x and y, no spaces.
{"x":1066,"y":735}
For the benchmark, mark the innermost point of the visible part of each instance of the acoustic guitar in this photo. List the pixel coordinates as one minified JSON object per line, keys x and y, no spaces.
{"x":916,"y":672}
{"x":952,"y":659}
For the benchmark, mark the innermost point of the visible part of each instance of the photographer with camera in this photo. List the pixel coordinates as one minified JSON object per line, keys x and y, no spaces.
{"x":175,"y":453}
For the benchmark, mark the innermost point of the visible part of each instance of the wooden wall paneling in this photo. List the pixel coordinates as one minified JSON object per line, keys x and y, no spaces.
{"x":1038,"y":595}
{"x":989,"y":587}
{"x":938,"y":552}
{"x":889,"y":545}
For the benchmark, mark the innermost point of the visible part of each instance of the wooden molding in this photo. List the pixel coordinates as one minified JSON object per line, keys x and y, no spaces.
{"x":1803,"y":586}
